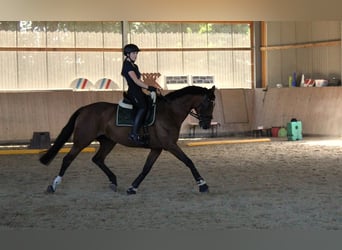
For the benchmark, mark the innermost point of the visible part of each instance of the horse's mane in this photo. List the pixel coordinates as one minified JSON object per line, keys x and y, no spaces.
{"x":190,"y":90}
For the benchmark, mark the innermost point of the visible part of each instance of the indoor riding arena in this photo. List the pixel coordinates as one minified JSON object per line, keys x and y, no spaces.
{"x":256,"y":179}
{"x":271,"y":158}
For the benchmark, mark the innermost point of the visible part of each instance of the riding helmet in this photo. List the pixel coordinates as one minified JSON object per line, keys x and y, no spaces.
{"x":130,"y":48}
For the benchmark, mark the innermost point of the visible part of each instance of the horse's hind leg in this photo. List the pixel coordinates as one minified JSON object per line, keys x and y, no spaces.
{"x":151,"y":159}
{"x":74,"y":151}
{"x":106,"y":146}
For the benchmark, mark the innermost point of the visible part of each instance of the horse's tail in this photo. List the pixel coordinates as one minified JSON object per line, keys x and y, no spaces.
{"x":62,"y":138}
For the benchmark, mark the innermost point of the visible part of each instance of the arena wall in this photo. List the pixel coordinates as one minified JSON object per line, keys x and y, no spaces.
{"x":237,"y":111}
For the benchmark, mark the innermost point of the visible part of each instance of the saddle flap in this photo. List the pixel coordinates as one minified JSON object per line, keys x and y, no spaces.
{"x":124,"y":115}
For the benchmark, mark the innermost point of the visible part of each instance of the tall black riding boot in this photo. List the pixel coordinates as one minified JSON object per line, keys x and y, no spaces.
{"x":138,"y":120}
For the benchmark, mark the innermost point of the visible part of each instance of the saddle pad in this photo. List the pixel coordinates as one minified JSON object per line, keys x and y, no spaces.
{"x":124,"y":116}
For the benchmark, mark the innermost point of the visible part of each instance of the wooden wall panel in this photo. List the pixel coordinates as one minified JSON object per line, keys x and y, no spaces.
{"x":234,"y":106}
{"x":237,"y":111}
{"x":21,"y":114}
{"x":318,"y":109}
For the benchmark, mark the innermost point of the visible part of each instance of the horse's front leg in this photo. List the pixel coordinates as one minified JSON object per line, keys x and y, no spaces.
{"x":151,"y":159}
{"x":176,"y":151}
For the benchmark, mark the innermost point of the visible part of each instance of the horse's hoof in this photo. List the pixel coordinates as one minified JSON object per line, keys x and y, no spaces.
{"x":113,"y":187}
{"x":50,"y":189}
{"x":131,"y":190}
{"x":204,"y":188}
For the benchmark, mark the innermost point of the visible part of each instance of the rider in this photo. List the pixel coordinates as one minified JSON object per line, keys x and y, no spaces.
{"x":135,"y":85}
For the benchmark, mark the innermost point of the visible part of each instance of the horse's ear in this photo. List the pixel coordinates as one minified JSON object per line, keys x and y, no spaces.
{"x":212,"y":92}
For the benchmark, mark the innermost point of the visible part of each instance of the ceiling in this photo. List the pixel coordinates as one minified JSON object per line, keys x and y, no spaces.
{"x":174,"y":10}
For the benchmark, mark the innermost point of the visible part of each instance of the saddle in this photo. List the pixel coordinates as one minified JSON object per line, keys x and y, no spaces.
{"x":126,"y":112}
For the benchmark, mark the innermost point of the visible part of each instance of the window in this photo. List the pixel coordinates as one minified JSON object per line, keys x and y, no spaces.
{"x":222,"y":50}
{"x":50,"y":55}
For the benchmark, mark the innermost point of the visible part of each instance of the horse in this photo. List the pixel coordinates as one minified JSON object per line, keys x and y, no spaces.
{"x":96,"y":122}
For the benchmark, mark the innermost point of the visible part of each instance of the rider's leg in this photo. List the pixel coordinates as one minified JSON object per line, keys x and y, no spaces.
{"x":139,"y":102}
{"x":137,"y":123}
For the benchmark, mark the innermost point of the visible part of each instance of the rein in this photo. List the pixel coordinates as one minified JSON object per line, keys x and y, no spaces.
{"x":199,"y":117}
{"x":194,"y":114}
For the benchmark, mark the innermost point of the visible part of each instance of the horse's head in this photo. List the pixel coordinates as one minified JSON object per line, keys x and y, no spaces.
{"x":204,"y":111}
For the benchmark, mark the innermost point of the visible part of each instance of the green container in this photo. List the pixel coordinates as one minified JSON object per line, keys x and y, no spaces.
{"x":294,"y":131}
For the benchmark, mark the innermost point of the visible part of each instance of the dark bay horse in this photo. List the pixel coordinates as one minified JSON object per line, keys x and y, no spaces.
{"x":97,"y":122}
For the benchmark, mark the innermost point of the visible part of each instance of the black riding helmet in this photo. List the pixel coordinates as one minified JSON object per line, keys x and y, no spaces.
{"x":130,"y":48}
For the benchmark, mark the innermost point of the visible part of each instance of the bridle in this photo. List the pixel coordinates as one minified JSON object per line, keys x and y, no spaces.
{"x":201,"y":117}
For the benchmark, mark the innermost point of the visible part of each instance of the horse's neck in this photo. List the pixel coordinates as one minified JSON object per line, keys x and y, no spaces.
{"x":183,"y":105}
